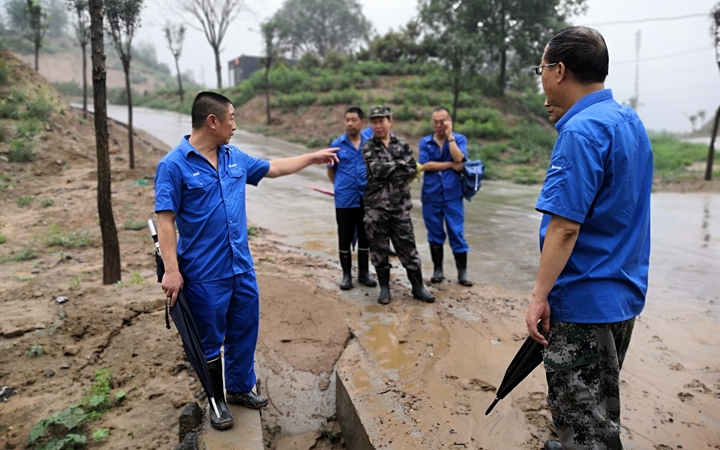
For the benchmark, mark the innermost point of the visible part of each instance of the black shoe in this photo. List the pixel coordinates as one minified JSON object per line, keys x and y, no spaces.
{"x":461,"y":264}
{"x":436,"y":252}
{"x":553,"y":444}
{"x":418,"y":288}
{"x":363,"y":271}
{"x":346,"y":264}
{"x":384,"y":280}
{"x":247,"y":399}
{"x":225,"y":421}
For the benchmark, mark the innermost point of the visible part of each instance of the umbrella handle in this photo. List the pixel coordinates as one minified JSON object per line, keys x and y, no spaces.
{"x":212,"y":402}
{"x":495,"y":402}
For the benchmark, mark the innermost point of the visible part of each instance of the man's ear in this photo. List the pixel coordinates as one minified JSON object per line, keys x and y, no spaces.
{"x":212,"y":121}
{"x":561,"y":72}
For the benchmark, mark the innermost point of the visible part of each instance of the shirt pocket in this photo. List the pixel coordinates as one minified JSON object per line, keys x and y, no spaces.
{"x":235,"y":189}
{"x":201,"y":191}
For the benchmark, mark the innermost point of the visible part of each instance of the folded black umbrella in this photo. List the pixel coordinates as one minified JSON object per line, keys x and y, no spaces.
{"x":525,"y":361}
{"x":183,"y":320}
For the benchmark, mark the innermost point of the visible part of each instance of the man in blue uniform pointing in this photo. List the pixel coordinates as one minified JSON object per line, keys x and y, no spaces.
{"x":200,"y":186}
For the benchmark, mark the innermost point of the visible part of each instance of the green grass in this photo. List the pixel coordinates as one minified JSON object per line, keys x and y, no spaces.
{"x":24,"y":255}
{"x":21,"y":150}
{"x":34,"y":351}
{"x":47,"y":202}
{"x":672,"y":156}
{"x":3,"y":238}
{"x":58,"y":237}
{"x":132,"y":224}
{"x":25,"y":201}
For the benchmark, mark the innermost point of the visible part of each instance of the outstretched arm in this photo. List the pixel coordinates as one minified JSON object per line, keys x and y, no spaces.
{"x":286,"y":166}
{"x":560,"y":240}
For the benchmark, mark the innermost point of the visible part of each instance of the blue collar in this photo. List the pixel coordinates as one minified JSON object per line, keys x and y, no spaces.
{"x":186,"y":147}
{"x":588,"y":100}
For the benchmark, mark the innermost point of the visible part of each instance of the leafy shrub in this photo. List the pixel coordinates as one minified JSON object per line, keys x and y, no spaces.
{"x":25,"y":201}
{"x":345,"y":97}
{"x":57,"y":237}
{"x":10,"y":110}
{"x":57,"y":433}
{"x":21,"y":150}
{"x":404,"y":113}
{"x":34,"y":351}
{"x":4,"y":73}
{"x":294,"y":100}
{"x":309,"y":61}
{"x":27,"y":129}
{"x":479,"y":115}
{"x":533,"y":139}
{"x":493,"y":129}
{"x":40,"y":108}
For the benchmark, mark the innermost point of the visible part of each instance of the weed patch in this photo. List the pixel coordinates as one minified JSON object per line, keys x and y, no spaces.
{"x":21,"y":150}
{"x":57,"y":237}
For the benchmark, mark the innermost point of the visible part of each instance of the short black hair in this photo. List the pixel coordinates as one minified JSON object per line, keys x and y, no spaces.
{"x":207,"y":103}
{"x":356,"y":110}
{"x":441,"y":108}
{"x":583,"y":51}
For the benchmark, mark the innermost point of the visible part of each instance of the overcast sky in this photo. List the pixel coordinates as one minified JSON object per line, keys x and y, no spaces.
{"x":678,"y":75}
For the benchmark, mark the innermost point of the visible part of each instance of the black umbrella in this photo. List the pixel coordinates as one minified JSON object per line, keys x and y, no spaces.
{"x":525,"y":361}
{"x":182,"y":317}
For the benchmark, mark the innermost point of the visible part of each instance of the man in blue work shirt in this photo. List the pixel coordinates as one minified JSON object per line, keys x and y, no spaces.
{"x":441,"y":155}
{"x":594,"y":240}
{"x":200,"y":186}
{"x":349,"y":179}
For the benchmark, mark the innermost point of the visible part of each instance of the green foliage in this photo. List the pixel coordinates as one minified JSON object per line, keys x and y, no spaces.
{"x":533,"y":140}
{"x":10,"y":110}
{"x":56,"y":236}
{"x":56,"y":432}
{"x":97,"y":399}
{"x":136,"y":278}
{"x":27,"y":129}
{"x":72,"y":88}
{"x":132,"y":224}
{"x":253,"y":232}
{"x":21,"y":150}
{"x":3,"y":238}
{"x":34,"y":351}
{"x":47,"y":202}
{"x":25,"y":201}
{"x":309,"y":61}
{"x":345,"y":97}
{"x":493,"y":129}
{"x":328,"y":433}
{"x":100,"y":433}
{"x":526,"y":175}
{"x":672,"y":156}
{"x":4,"y":73}
{"x":294,"y":100}
{"x":40,"y":109}
{"x":24,"y":255}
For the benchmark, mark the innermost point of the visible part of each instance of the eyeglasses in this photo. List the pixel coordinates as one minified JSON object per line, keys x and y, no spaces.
{"x":538,"y":69}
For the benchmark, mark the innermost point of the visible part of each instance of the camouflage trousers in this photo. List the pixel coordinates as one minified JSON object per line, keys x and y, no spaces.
{"x":582,"y":365}
{"x":382,"y":226}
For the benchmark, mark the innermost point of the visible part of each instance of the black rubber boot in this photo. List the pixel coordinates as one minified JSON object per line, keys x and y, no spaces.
{"x":553,"y":444}
{"x":363,"y":270}
{"x":346,"y":264}
{"x":461,"y":264}
{"x":436,"y":252}
{"x":384,"y":280}
{"x":418,"y":288}
{"x":225,"y":420}
{"x":247,"y":399}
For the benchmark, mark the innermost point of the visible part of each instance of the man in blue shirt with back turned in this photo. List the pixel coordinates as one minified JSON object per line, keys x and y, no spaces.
{"x":200,"y":186}
{"x":349,"y":178}
{"x":595,"y":242}
{"x":442,"y":155}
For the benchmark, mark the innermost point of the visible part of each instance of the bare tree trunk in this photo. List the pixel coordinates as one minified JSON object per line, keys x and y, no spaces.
{"x":111,"y":247}
{"x":503,"y":68}
{"x":37,"y":55}
{"x":711,"y":150}
{"x":131,"y":147}
{"x":177,"y":67}
{"x":218,"y":68}
{"x":84,"y":69}
{"x":267,"y":94}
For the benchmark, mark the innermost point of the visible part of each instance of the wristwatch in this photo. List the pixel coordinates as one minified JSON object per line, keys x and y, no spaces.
{"x":451,"y":139}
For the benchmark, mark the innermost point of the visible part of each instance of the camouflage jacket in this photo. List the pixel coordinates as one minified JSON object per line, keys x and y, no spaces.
{"x":389,"y":170}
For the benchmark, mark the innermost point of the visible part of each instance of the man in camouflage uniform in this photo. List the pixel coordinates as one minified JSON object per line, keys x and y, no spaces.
{"x":390,"y":166}
{"x":595,"y":241}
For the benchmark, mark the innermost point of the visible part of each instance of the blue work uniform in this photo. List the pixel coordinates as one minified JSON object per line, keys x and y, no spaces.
{"x":600,"y":176}
{"x":213,"y":252}
{"x":442,"y":196}
{"x":349,"y":185}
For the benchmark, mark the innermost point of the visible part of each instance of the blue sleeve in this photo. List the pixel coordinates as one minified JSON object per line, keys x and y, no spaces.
{"x":573,"y":178}
{"x":256,"y":169}
{"x":424,"y":152}
{"x":335,"y":143}
{"x":461,"y":142}
{"x":168,"y":187}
